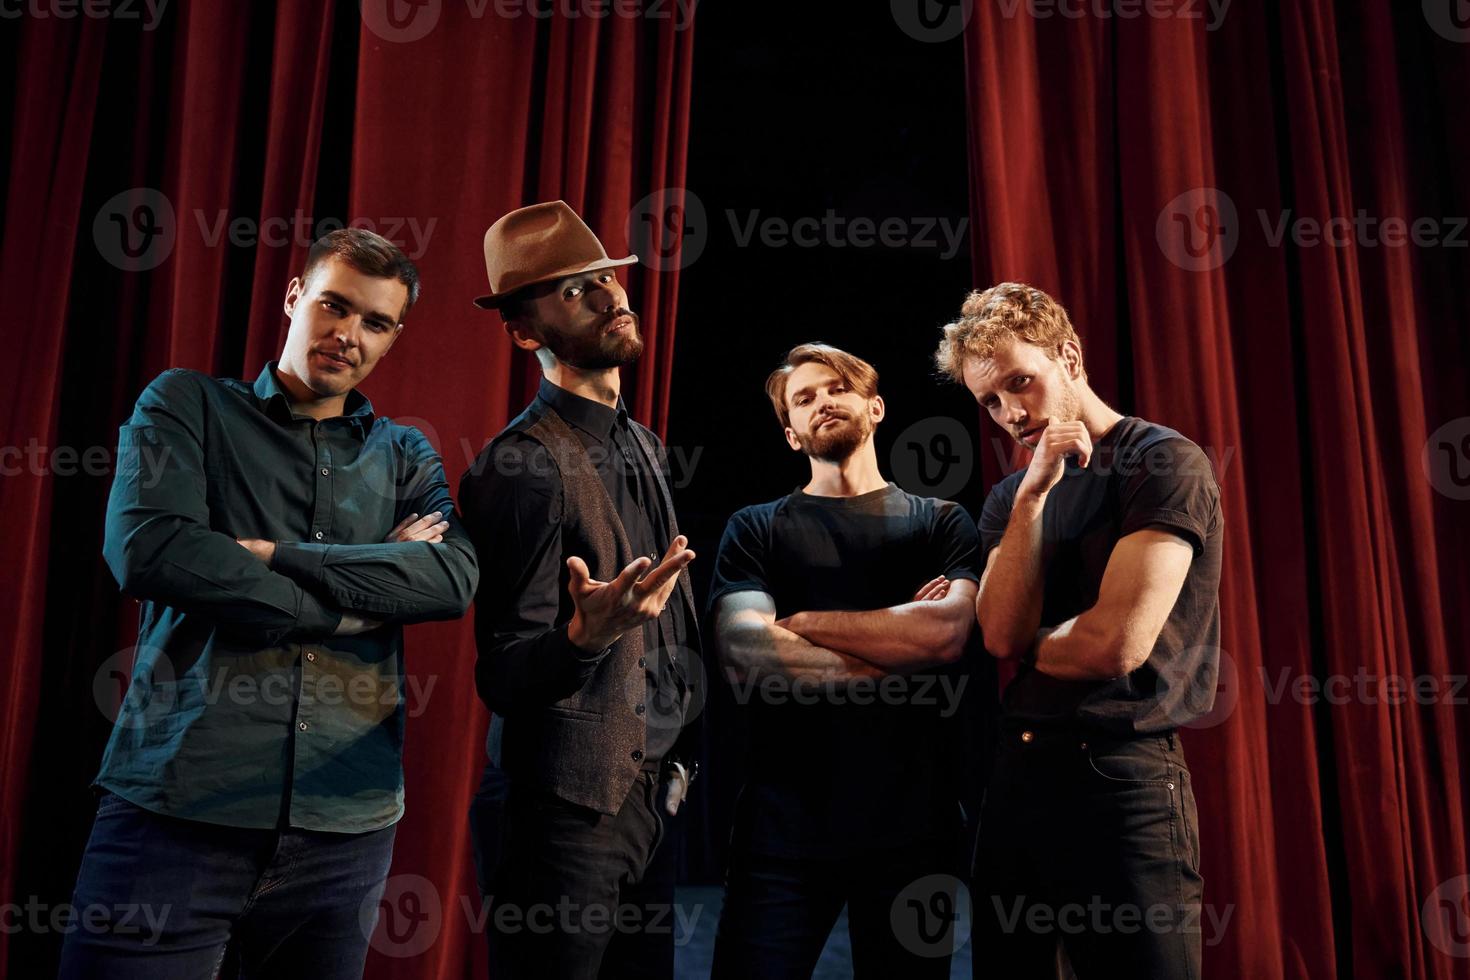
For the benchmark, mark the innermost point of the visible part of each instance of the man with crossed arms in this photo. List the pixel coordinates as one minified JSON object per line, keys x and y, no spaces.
{"x":852,"y":797}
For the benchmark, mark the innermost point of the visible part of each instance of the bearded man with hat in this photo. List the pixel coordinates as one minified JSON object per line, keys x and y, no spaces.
{"x":588,"y":649}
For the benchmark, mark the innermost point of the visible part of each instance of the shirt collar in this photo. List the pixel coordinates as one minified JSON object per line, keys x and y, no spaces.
{"x":276,"y":403}
{"x":594,"y":418}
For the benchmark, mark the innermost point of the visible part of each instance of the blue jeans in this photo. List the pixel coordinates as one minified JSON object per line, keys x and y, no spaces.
{"x":1089,"y":843}
{"x":159,"y":898}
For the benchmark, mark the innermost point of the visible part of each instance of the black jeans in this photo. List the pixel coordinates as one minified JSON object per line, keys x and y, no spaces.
{"x":1090,"y":842}
{"x":178,"y":899}
{"x":779,"y":912}
{"x":577,"y":893}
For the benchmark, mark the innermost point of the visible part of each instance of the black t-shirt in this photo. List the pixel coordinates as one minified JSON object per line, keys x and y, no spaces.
{"x":1141,"y":475}
{"x":828,"y":777}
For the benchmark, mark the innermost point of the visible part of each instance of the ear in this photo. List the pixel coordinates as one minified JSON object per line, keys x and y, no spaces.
{"x":393,"y":339}
{"x":521,"y":337}
{"x":1070,"y":354}
{"x":877,"y":409}
{"x":294,"y":292}
{"x":791,"y":439}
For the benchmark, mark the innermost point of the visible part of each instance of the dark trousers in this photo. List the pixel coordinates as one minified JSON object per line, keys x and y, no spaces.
{"x":178,"y":900}
{"x":578,"y":893}
{"x":779,"y":912}
{"x":1090,"y":843}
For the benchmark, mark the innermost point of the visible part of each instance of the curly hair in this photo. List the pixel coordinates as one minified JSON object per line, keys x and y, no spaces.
{"x":1006,"y":311}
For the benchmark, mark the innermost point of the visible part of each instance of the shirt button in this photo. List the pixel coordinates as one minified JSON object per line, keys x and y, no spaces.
{"x":638,"y":710}
{"x":637,"y":755}
{"x":311,"y":656}
{"x":301,"y":725}
{"x":1027,"y":736}
{"x":317,"y":535}
{"x":325,"y":471}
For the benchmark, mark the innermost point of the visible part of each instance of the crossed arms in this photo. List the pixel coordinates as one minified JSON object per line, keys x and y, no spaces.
{"x":160,"y":546}
{"x":837,"y":646}
{"x":1140,"y":585}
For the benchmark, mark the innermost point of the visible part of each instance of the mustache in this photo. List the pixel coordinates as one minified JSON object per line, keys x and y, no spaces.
{"x":615,"y":316}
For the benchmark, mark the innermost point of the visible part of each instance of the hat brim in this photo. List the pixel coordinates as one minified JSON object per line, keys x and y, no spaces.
{"x":493,"y":300}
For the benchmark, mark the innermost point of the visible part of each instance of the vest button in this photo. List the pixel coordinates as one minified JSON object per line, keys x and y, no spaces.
{"x":638,"y":710}
{"x":643,"y":661}
{"x":637,"y":755}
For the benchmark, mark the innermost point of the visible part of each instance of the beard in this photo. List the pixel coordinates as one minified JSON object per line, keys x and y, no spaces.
{"x":599,"y":351}
{"x":834,"y":443}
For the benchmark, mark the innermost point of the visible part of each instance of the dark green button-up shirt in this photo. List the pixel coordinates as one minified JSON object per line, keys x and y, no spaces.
{"x":244,"y":709}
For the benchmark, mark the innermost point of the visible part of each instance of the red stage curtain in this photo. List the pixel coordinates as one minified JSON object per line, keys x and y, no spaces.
{"x":1313,"y":373}
{"x":282,"y":116}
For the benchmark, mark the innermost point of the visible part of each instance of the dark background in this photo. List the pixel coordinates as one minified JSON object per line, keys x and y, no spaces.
{"x":868,"y":123}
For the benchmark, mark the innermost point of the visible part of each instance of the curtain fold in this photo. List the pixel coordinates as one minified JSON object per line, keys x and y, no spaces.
{"x":1144,"y":170}
{"x":236,"y":134}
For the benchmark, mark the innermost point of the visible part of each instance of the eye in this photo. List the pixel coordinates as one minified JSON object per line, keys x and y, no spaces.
{"x":572,"y":292}
{"x":334,"y":307}
{"x":605,"y":278}
{"x":839,"y":389}
{"x":1020,"y":381}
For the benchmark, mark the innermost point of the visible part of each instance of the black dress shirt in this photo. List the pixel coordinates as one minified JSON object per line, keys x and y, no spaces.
{"x":244,"y":709}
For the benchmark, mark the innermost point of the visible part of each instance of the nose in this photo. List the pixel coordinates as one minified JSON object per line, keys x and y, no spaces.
{"x":1011,"y":412}
{"x":605,"y":297}
{"x":349,"y":330}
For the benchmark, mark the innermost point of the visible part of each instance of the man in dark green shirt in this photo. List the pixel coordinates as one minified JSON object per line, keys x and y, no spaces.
{"x":278,"y":536}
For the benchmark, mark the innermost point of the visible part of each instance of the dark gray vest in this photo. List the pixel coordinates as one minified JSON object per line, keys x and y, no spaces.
{"x":588,"y":747}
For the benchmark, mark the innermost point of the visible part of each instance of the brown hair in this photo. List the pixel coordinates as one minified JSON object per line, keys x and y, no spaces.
{"x":1004,"y":312}
{"x":368,"y":253}
{"x":857,"y":373}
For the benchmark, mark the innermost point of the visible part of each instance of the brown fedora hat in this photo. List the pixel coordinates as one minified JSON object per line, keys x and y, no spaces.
{"x":538,"y":244}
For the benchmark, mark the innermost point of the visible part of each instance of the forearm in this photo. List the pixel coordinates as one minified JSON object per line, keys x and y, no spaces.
{"x":514,"y":673}
{"x":1009,"y":607}
{"x":752,"y":652}
{"x":1080,"y":649}
{"x":902,"y":638}
{"x":185,"y":565}
{"x":399,"y":582}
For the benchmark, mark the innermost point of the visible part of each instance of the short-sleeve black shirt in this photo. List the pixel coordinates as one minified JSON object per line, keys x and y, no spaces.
{"x":1141,"y":475}
{"x":836,"y":778}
